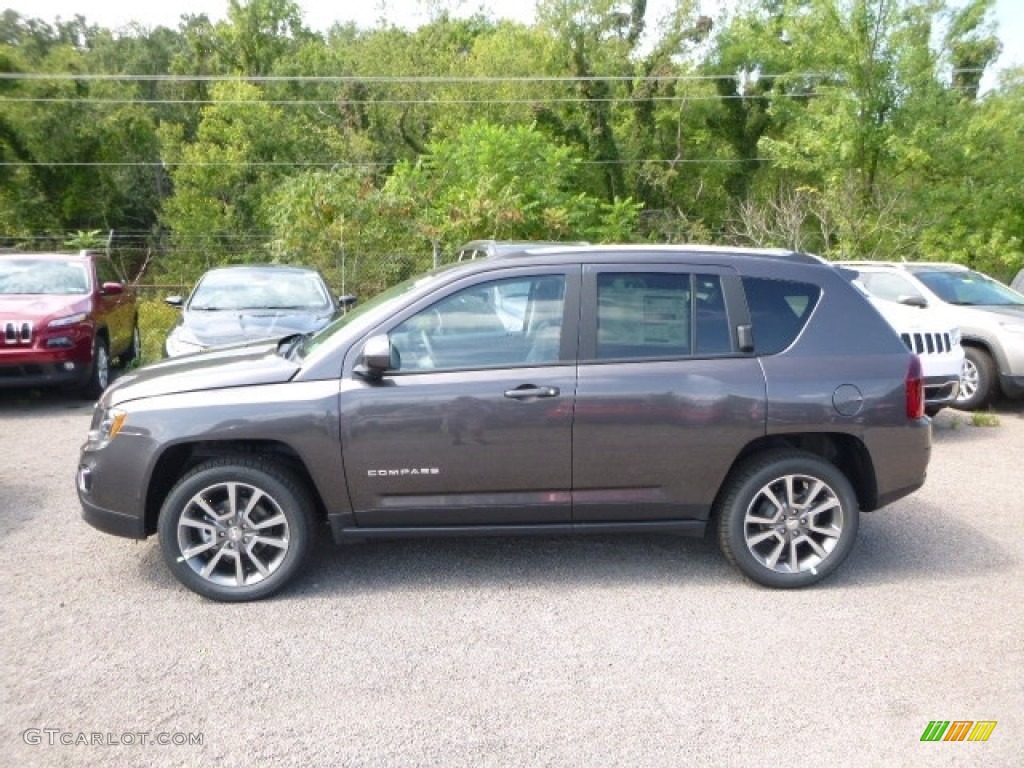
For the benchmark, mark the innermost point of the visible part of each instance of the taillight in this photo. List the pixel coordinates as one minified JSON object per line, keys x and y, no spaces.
{"x":915,"y":389}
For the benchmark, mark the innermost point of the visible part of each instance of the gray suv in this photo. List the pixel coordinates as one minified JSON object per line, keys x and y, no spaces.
{"x":562,"y":389}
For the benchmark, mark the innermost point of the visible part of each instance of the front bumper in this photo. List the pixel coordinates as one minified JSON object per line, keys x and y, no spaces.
{"x":66,"y":373}
{"x":1012,"y":386}
{"x":941,"y":390}
{"x":111,"y":483}
{"x":108,"y":521}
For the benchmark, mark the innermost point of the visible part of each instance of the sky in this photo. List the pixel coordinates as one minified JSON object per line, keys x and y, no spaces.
{"x":321,"y":14}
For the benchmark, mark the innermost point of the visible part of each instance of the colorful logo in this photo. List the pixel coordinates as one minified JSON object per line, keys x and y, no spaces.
{"x":958,"y":730}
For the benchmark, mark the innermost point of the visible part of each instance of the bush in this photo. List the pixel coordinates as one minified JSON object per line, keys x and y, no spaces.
{"x":155,"y":320}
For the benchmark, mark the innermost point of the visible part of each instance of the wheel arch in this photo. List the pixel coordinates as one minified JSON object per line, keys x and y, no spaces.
{"x":988,"y":347}
{"x":846,"y":452}
{"x":178,"y":459}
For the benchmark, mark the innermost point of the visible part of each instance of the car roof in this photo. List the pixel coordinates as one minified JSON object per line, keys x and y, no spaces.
{"x":262,"y":268}
{"x":907,"y":266}
{"x":561,"y":253}
{"x":494,"y":248}
{"x":52,"y":255}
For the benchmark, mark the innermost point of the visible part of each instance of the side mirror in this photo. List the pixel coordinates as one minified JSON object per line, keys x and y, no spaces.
{"x":346,"y":302}
{"x":174,"y":301}
{"x":111,"y":289}
{"x":376,"y":358}
{"x":912,"y":301}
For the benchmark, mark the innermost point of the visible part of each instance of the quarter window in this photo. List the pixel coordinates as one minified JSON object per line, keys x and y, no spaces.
{"x":779,"y":309}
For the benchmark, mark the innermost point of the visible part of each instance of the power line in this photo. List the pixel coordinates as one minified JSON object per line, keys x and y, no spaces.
{"x":392,"y":102}
{"x":395,"y":79}
{"x":335,"y":164}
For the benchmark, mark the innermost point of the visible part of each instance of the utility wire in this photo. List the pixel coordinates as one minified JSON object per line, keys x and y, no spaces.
{"x":390,"y":79}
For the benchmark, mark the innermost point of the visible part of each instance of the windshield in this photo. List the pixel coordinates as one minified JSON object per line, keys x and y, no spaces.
{"x":969,"y":288}
{"x":42,"y":276}
{"x":379,"y":302}
{"x":234,"y":289}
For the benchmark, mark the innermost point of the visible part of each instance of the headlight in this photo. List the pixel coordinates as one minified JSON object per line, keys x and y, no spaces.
{"x":955,"y":337}
{"x":106,"y":424}
{"x":181,"y":343}
{"x":63,"y":322}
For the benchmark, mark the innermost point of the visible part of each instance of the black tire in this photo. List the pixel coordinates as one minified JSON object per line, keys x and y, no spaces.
{"x":978,"y":383}
{"x":99,"y":373}
{"x":765,"y":530}
{"x":245,"y":550}
{"x":131,"y":354}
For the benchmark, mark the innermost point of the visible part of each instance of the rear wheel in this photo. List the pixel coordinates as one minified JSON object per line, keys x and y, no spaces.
{"x":787,"y":519}
{"x":135,"y":348}
{"x":236,"y":529}
{"x":978,"y":382}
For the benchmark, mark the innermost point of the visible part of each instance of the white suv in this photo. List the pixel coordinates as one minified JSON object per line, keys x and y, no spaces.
{"x":990,"y":316}
{"x":935,"y":337}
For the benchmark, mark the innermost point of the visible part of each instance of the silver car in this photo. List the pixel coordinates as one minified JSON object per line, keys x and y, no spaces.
{"x":990,"y":315}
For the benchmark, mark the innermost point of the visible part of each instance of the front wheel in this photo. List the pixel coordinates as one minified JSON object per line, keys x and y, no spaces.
{"x":236,"y":529}
{"x":787,"y":519}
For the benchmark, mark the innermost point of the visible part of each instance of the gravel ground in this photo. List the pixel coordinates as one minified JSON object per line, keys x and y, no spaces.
{"x":626,"y":651}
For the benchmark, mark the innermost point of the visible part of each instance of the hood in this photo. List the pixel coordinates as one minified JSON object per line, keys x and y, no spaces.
{"x":985,"y":316}
{"x":907,"y":319}
{"x":219,"y":327}
{"x":236,"y":366}
{"x":36,"y":308}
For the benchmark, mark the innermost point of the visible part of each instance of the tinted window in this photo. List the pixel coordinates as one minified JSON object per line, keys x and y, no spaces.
{"x":510,"y":322}
{"x":660,"y":314}
{"x":106,"y":273}
{"x":778,"y":311}
{"x":713,"y":335}
{"x":643,"y":314}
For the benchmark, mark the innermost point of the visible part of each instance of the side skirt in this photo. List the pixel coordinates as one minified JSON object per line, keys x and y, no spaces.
{"x":343,"y":533}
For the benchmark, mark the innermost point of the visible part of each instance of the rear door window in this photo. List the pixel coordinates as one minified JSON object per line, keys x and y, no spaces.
{"x":660,"y":315}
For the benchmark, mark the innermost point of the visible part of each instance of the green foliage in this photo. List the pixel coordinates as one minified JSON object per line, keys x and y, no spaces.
{"x":984,"y":419}
{"x":155,"y":321}
{"x":505,"y":183}
{"x":846,"y":127}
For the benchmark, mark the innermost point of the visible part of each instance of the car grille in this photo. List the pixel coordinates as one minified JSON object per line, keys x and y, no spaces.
{"x":16,"y":333}
{"x":927,"y":343}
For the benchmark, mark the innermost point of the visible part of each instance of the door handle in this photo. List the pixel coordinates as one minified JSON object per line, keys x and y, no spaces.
{"x":528,"y":392}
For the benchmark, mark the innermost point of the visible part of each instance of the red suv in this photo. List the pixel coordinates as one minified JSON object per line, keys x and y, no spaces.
{"x":62,"y":318}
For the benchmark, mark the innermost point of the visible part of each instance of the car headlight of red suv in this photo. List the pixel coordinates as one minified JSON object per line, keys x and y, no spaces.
{"x":64,"y":322}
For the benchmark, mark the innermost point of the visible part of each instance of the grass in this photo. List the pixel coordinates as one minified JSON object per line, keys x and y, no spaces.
{"x":155,"y":320}
{"x":984,"y":419}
